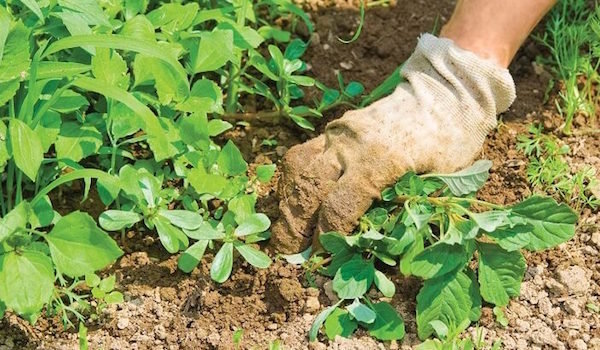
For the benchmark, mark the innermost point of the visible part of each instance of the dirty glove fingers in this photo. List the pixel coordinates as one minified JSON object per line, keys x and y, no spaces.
{"x":308,"y":175}
{"x":345,"y":204}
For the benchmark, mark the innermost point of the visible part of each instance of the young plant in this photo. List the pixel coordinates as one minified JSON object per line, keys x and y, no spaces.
{"x":549,"y":172}
{"x":432,"y":227}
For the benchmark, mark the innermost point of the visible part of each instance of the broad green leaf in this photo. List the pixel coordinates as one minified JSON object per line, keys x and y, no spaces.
{"x":69,"y":101}
{"x":512,"y":239}
{"x":552,"y":223}
{"x":26,"y":282}
{"x":206,"y":183}
{"x":445,"y":299}
{"x":244,"y":37}
{"x":333,"y":242}
{"x":354,"y":89}
{"x":385,"y":286}
{"x":213,"y":51}
{"x":242,"y":206}
{"x":217,"y":127}
{"x":156,"y":134}
{"x":298,"y":258}
{"x":79,"y":247}
{"x":139,"y":27}
{"x":125,"y":121}
{"x":26,"y":148}
{"x":8,"y":89}
{"x":173,"y":17}
{"x":500,"y":273}
{"x":467,"y":180}
{"x":76,"y":25}
{"x":339,"y":323}
{"x":354,"y":278}
{"x":361,"y":312}
{"x":88,"y":10}
{"x":439,"y":259}
{"x":265,"y":172}
{"x":194,"y":131}
{"x":108,"y":284}
{"x":76,"y":141}
{"x":319,"y":320}
{"x":114,"y":298}
{"x":16,"y":219}
{"x":42,"y":214}
{"x":58,"y":70}
{"x":205,"y":232}
{"x":186,"y":219}
{"x":108,"y":66}
{"x":149,"y":70}
{"x":48,"y":129}
{"x":191,"y":257}
{"x":490,"y":220}
{"x":15,"y":56}
{"x":34,"y":7}
{"x":407,"y":258}
{"x":121,"y":42}
{"x":253,"y":256}
{"x":230,"y":160}
{"x":115,"y":220}
{"x":172,"y":238}
{"x":388,"y":324}
{"x":295,"y":49}
{"x":220,"y":269}
{"x":254,"y":223}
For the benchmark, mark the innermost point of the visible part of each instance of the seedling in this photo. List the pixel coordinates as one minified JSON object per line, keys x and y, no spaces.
{"x":432,"y":227}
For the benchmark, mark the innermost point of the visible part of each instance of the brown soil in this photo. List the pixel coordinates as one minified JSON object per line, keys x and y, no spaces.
{"x":166,"y":309}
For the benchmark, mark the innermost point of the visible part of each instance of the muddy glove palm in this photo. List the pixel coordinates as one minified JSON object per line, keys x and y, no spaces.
{"x":436,"y":121}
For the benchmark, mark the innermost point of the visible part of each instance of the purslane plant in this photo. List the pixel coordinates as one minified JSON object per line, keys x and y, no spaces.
{"x":432,"y":227}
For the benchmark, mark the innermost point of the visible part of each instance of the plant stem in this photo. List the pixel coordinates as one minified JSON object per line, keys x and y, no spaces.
{"x":10,"y":179}
{"x":452,"y":200}
{"x":2,"y":204}
{"x":19,"y":194}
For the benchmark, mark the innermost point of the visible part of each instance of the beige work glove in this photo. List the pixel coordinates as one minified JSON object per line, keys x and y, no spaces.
{"x":436,"y":121}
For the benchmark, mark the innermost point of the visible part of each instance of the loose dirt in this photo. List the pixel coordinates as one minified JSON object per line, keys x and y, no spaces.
{"x":166,"y":309}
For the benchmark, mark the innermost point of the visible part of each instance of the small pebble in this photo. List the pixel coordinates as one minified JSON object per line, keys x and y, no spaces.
{"x":123,"y":323}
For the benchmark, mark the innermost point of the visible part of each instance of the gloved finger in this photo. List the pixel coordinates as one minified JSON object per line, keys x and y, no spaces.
{"x":351,"y":197}
{"x":308,"y":173}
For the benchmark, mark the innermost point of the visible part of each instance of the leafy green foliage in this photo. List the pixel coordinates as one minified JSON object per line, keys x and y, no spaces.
{"x":548,"y":171}
{"x":427,"y":226}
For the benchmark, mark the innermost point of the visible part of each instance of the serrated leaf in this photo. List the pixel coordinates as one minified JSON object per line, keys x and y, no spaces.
{"x":214,"y":50}
{"x":76,"y":141}
{"x":500,"y":273}
{"x":26,"y":281}
{"x":115,"y":220}
{"x":446,"y":299}
{"x":388,"y":324}
{"x":354,"y":278}
{"x":79,"y":247}
{"x":552,"y":223}
{"x":220,"y":269}
{"x":467,"y":180}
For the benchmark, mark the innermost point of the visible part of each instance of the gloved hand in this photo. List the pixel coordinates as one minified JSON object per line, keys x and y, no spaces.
{"x":436,"y":121}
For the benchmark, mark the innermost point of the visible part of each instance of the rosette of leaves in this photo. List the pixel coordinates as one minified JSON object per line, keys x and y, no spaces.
{"x":432,"y":227}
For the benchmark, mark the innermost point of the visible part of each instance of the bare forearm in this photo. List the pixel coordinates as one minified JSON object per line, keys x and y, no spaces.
{"x":494,"y":29}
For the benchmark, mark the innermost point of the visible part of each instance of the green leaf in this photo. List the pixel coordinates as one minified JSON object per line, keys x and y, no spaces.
{"x":467,"y":180}
{"x":172,"y":238}
{"x":220,"y":269}
{"x":156,"y":134}
{"x":173,"y":17}
{"x":446,"y":299}
{"x":206,"y":183}
{"x":57,"y":70}
{"x":500,"y":316}
{"x":512,"y":239}
{"x":552,"y":223}
{"x":231,"y":161}
{"x":361,"y":312}
{"x":500,"y":273}
{"x":76,"y":141}
{"x":333,"y":242}
{"x":15,"y":59}
{"x":388,"y":324}
{"x":16,"y":219}
{"x":339,"y":323}
{"x":242,"y":206}
{"x":114,"y":298}
{"x":354,"y":278}
{"x":264,"y":173}
{"x":26,"y":148}
{"x":8,"y":89}
{"x":69,"y":101}
{"x":253,"y":256}
{"x":108,"y":284}
{"x":205,"y":232}
{"x":88,"y":10}
{"x":439,"y":259}
{"x":125,"y":121}
{"x":34,"y":7}
{"x":138,"y":27}
{"x":26,"y":282}
{"x":108,"y":66}
{"x":254,"y":223}
{"x":121,"y":42}
{"x":186,"y":219}
{"x":79,"y":247}
{"x":148,"y":69}
{"x":354,"y":89}
{"x":214,"y":50}
{"x":92,"y":280}
{"x":385,"y":286}
{"x":48,"y":129}
{"x":115,"y":220}
{"x":413,"y":250}
{"x":192,"y":256}
{"x":319,"y":320}
{"x":490,"y":220}
{"x":217,"y":127}
{"x":295,"y":49}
